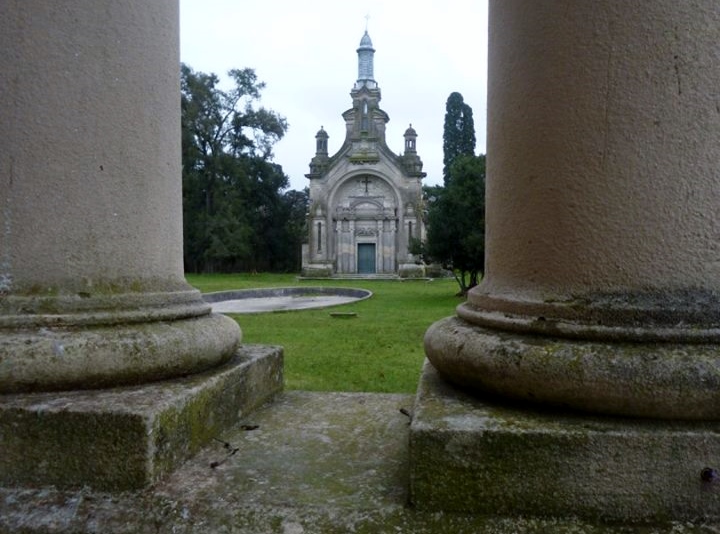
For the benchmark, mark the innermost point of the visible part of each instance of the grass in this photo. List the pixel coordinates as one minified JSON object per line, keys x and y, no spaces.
{"x":379,"y":350}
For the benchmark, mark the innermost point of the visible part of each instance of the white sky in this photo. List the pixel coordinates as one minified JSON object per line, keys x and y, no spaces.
{"x":305,"y":52}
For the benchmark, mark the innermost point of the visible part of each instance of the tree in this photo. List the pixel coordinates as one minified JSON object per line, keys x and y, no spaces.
{"x":456,"y":222}
{"x":236,"y":216}
{"x":458,"y":132}
{"x":455,"y":217}
{"x":296,"y":205}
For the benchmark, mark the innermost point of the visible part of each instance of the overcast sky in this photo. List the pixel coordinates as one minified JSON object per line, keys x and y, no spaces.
{"x":305,"y":52}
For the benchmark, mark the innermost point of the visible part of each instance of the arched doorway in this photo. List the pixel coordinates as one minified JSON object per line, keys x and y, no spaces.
{"x":365,"y":220}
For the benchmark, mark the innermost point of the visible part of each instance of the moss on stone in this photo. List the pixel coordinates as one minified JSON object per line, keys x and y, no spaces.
{"x":127,"y":438}
{"x":475,"y":455}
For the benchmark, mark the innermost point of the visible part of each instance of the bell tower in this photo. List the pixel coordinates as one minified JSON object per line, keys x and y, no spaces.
{"x":365,"y":122}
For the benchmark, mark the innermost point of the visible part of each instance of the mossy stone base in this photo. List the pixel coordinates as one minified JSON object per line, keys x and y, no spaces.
{"x":411,"y":270}
{"x":477,"y":456}
{"x":127,"y":438}
{"x":317,"y":271}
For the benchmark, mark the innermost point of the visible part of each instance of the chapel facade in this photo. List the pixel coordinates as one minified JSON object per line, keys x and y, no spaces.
{"x":365,"y":200}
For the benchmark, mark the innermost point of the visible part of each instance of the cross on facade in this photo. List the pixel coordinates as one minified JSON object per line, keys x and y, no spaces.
{"x":367,"y":182}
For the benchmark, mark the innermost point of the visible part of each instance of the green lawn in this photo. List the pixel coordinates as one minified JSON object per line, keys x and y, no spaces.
{"x":379,"y":350}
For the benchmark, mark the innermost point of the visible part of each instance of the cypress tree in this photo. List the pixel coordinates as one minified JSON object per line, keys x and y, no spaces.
{"x":458,"y":132}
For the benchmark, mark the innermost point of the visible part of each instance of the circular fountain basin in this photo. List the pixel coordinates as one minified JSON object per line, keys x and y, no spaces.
{"x":282,"y":299}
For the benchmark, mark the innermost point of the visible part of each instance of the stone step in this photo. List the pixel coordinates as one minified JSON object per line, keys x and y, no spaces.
{"x":356,"y":276}
{"x":127,"y":438}
{"x":309,"y":463}
{"x":366,"y":276}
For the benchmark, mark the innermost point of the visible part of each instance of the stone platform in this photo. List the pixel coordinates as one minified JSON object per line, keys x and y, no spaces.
{"x":127,"y":438}
{"x":486,"y":457}
{"x":308,"y":463}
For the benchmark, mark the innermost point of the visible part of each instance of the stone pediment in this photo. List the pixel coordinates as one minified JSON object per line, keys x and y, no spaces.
{"x":366,"y":231}
{"x":365,"y":211}
{"x":358,"y":201}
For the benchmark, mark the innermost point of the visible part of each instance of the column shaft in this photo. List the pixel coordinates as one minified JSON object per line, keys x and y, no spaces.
{"x":92,"y":291}
{"x":603,"y":236}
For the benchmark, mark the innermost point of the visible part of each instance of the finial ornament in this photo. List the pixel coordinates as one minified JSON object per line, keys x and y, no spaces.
{"x":367,"y":20}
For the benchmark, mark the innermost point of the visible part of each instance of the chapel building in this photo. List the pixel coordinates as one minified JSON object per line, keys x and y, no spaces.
{"x":365,"y":200}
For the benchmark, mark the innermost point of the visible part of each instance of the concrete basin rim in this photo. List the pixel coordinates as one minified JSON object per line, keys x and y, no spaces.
{"x":277,"y":299}
{"x":239,"y":294}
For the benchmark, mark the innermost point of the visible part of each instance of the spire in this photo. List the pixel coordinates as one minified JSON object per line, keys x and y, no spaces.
{"x":365,"y":54}
{"x":365,"y":119}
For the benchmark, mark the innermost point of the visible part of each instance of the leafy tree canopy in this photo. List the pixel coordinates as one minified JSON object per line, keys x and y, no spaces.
{"x":456,"y":222}
{"x":236,"y":215}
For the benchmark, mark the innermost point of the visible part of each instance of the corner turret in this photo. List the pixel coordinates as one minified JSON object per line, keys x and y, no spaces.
{"x":410,"y":160}
{"x":320,"y":162}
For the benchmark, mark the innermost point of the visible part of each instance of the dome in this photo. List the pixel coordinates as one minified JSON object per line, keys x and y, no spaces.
{"x":321,"y":132}
{"x":365,"y":42}
{"x":410,"y":132}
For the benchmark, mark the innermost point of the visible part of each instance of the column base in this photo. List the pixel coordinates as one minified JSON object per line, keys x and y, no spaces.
{"x":411,"y":270}
{"x":660,"y":380}
{"x":127,"y":438}
{"x":479,"y":456}
{"x":102,"y":356}
{"x":317,"y":270}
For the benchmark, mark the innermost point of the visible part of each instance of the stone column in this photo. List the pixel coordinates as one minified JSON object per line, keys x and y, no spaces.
{"x":92,"y":291}
{"x":380,"y":247}
{"x":321,"y":236}
{"x":602,"y":289}
{"x":350,"y":249}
